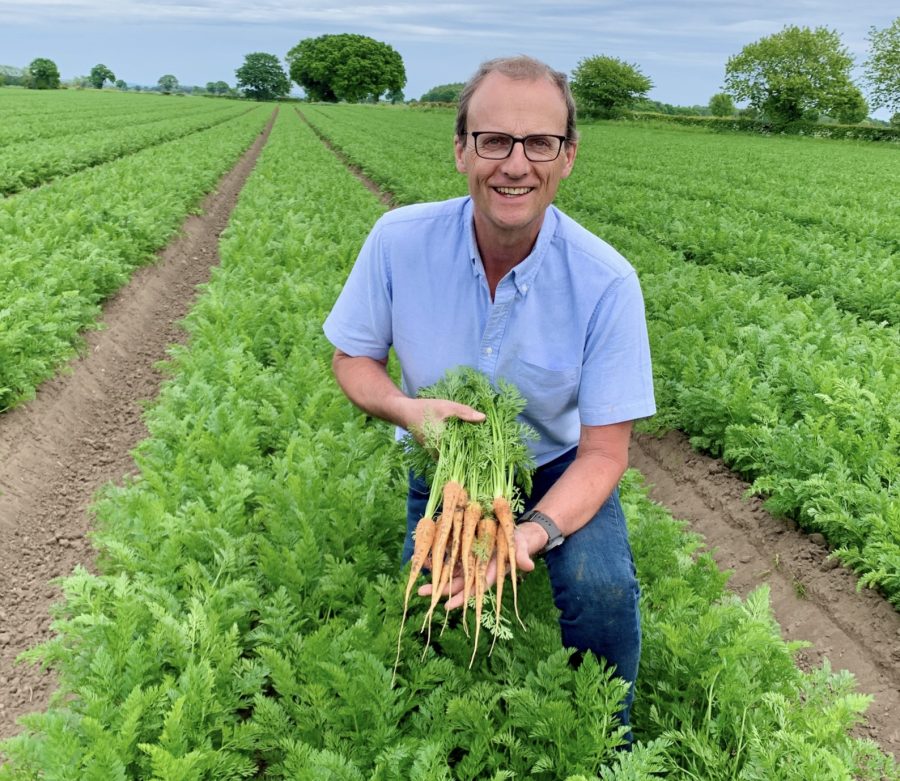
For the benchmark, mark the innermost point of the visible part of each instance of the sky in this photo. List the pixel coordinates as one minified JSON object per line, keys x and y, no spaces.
{"x":681,"y":46}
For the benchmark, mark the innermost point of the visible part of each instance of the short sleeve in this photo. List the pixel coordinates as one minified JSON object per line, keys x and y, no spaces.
{"x":360,"y":322}
{"x":617,"y":376}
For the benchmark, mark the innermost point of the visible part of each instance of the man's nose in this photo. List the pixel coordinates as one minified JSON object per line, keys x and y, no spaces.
{"x":517,"y":164}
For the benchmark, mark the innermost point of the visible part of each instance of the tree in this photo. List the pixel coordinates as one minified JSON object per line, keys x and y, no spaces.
{"x":122,"y":85}
{"x":444,"y":93}
{"x":721,"y":105}
{"x":167,"y":83}
{"x":100,"y":74}
{"x":261,"y":77}
{"x":791,"y":75}
{"x":221,"y":88}
{"x":347,"y":67}
{"x":11,"y":75}
{"x":850,"y":107}
{"x":606,"y":85}
{"x":42,"y":74}
{"x":882,"y":69}
{"x":394,"y":96}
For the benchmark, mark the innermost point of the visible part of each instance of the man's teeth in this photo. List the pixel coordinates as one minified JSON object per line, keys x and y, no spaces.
{"x":513,"y":190}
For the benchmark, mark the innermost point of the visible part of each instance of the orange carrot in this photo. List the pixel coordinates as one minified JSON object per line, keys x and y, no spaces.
{"x":470,"y":524}
{"x":455,"y":542}
{"x":453,"y":493}
{"x":439,"y":546}
{"x":502,"y":555}
{"x":505,"y":517}
{"x":487,"y":535}
{"x":423,"y":536}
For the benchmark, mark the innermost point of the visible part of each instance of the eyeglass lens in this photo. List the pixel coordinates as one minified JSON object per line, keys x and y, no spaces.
{"x":496,"y":146}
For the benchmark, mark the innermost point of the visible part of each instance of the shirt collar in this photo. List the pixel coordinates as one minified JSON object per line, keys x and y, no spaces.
{"x":524,"y":273}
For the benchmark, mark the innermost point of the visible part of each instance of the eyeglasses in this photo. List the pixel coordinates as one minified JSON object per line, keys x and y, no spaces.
{"x":498,"y":146}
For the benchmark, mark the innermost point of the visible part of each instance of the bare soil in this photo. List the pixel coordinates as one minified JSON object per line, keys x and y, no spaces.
{"x":77,"y":435}
{"x":813,"y":597}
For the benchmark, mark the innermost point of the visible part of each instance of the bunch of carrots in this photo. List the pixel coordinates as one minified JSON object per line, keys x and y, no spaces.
{"x":475,"y":482}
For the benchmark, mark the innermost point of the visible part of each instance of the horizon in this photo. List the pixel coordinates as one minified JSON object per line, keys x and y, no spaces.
{"x":682,"y":48}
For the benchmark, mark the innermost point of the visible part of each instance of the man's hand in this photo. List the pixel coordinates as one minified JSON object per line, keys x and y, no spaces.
{"x":420,"y":413}
{"x":366,"y":383}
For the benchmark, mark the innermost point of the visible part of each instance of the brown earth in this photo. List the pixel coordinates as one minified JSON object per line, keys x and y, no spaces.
{"x":813,"y":597}
{"x":77,"y":434}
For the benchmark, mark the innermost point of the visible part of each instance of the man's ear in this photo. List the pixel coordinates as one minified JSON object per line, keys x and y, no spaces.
{"x":571,"y":151}
{"x":459,"y":149}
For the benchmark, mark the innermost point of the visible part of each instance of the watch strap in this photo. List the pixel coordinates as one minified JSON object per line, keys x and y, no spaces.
{"x":555,"y":537}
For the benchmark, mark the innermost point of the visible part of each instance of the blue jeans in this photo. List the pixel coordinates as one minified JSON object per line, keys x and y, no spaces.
{"x":592,"y":576}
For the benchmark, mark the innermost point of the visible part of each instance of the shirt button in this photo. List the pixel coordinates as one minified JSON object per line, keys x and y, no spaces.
{"x":488,"y":350}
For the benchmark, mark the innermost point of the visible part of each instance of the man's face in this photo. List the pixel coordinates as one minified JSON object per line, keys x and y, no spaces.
{"x":511,"y":195}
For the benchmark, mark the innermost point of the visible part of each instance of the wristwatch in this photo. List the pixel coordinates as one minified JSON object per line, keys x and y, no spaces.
{"x":555,"y":537}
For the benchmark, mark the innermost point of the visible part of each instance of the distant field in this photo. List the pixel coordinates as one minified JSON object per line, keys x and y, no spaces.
{"x":244,"y":617}
{"x":119,"y":173}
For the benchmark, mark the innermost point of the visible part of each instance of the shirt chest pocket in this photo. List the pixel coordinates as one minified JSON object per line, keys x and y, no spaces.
{"x":549,"y":392}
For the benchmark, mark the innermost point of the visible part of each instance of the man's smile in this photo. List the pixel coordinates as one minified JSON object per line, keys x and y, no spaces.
{"x":513,"y":191}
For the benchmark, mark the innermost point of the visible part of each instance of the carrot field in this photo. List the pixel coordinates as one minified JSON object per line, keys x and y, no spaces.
{"x":243,"y":616}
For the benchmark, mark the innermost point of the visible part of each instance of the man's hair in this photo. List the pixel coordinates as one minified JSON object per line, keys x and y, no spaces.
{"x":524,"y":68}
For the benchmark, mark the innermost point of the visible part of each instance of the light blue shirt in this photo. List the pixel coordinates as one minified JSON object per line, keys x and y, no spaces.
{"x":566,"y":325}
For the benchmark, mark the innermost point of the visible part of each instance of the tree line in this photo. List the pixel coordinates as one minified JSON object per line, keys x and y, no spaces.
{"x":798,"y":74}
{"x":794,"y":75}
{"x":344,"y":66}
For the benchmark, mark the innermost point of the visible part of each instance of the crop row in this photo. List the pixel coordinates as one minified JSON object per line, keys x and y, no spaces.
{"x":245,"y":615}
{"x":68,"y":245}
{"x":62,"y":103}
{"x":794,"y":393}
{"x":92,"y":114}
{"x":725,"y":200}
{"x":861,"y":273}
{"x":31,"y":163}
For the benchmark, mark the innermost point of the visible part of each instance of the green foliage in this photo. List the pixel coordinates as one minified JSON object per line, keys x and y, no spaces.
{"x":792,"y":75}
{"x":850,"y":107}
{"x":658,"y":107}
{"x":244,"y":615}
{"x":100,"y":74}
{"x":604,"y":85}
{"x":444,"y":93}
{"x":747,"y":121}
{"x":261,"y":77}
{"x":67,"y":247}
{"x":721,"y":105}
{"x":13,"y":76}
{"x":882,"y":68}
{"x":121,"y":84}
{"x":167,"y":84}
{"x":489,"y":459}
{"x":42,"y":74}
{"x":346,"y":67}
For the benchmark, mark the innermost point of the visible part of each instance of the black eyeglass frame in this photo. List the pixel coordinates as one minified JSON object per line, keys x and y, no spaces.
{"x":515,"y":140}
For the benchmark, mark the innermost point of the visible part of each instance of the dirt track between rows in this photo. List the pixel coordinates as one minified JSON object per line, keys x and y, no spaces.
{"x":58,"y":450}
{"x":78,"y":433}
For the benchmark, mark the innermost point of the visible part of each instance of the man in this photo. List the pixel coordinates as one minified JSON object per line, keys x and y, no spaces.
{"x":503,"y":281}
